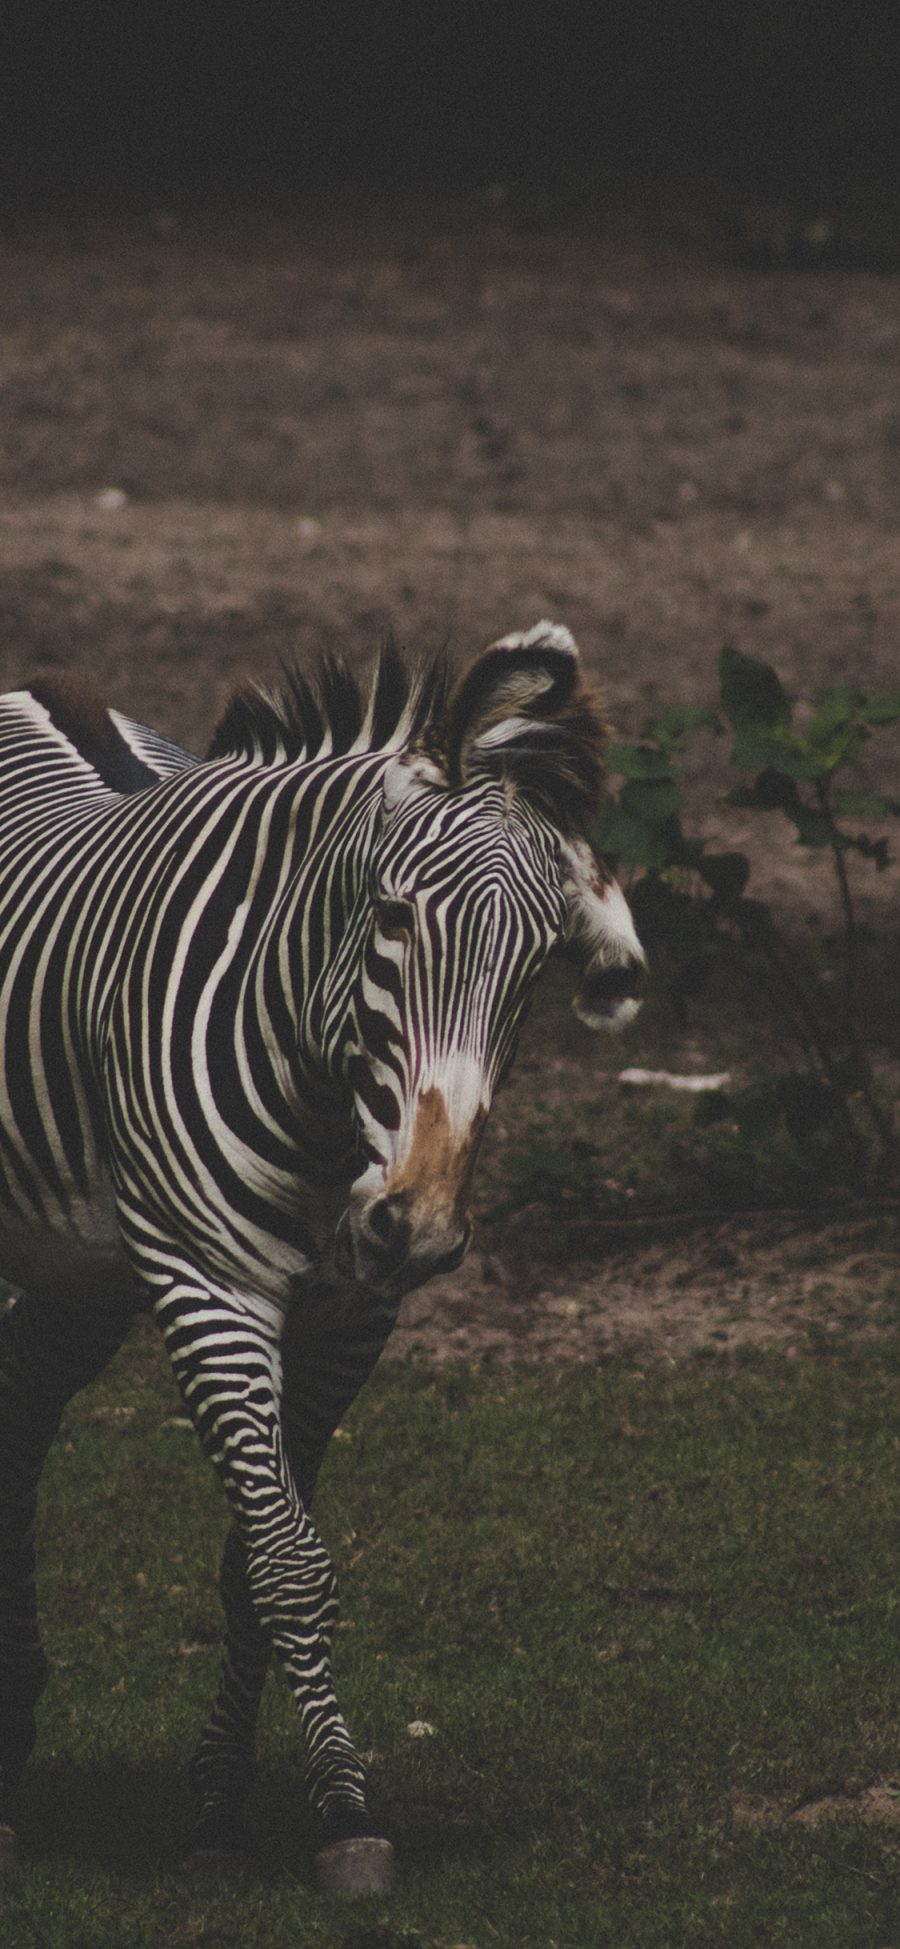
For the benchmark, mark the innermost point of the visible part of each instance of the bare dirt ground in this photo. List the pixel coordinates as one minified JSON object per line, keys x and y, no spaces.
{"x":875,"y":1805}
{"x":707,"y":1290}
{"x":230,"y":436}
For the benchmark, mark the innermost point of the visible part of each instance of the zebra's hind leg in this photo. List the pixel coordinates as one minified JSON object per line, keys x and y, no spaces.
{"x":47,"y":1353}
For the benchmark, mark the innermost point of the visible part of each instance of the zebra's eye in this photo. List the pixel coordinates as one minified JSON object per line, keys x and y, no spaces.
{"x":395,"y":918}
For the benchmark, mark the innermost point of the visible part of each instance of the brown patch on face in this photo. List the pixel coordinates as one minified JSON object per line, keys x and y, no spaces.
{"x":437,"y":1171}
{"x":600,"y":878}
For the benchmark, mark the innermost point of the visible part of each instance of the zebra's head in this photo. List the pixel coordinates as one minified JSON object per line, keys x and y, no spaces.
{"x":479,"y":869}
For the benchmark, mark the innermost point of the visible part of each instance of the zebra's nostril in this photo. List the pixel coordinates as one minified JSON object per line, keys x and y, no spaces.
{"x":379,"y":1220}
{"x":386,"y":1223}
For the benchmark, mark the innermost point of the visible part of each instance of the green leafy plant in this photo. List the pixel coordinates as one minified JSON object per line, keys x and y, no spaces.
{"x":691,"y":899}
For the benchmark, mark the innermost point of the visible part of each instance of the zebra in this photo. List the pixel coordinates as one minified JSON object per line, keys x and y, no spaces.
{"x":253,"y":1011}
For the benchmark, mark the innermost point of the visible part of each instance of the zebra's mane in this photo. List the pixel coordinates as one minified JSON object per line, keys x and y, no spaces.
{"x":549,"y":744}
{"x":326,"y":712}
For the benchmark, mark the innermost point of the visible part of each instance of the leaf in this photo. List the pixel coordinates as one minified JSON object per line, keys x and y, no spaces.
{"x":761,"y":917}
{"x":638,"y":761}
{"x":835,"y":707}
{"x":665,"y":912}
{"x":631,"y":841}
{"x":772,"y":791}
{"x":775,"y":749}
{"x":834,"y":731}
{"x":874,"y":849}
{"x":752,"y":692}
{"x":680,"y":719}
{"x":653,"y":799}
{"x":881,"y":706}
{"x":726,"y":874}
{"x":841,"y":751}
{"x":866,"y":805}
{"x":816,"y":829}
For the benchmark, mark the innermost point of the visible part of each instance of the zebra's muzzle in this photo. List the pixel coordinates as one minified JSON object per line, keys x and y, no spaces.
{"x":383,"y":1233}
{"x":377,"y":1246}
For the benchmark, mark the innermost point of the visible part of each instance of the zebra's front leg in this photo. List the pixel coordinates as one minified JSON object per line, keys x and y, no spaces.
{"x":322,"y":1374}
{"x":224,"y":1765}
{"x":229,"y":1371}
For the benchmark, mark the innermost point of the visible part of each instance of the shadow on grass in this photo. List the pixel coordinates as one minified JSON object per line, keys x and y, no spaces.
{"x":428,"y":1833}
{"x":135,"y":1819}
{"x":117,"y":1815}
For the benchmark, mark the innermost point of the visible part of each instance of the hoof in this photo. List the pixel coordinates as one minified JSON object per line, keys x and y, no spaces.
{"x":9,"y":1846}
{"x":364,"y":1866}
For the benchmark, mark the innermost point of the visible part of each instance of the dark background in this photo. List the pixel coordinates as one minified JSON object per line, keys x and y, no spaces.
{"x":796,"y":98}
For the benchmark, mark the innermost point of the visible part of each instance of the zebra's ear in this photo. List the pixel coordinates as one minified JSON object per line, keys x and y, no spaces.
{"x":518,"y":678}
{"x":601,"y":939}
{"x":409,"y":775}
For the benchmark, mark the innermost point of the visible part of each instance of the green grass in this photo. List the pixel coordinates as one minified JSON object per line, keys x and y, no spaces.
{"x":628,"y":1603}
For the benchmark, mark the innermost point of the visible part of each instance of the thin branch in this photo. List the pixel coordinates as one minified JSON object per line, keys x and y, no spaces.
{"x":862,"y":1072}
{"x":804,"y":1217}
{"x":851,"y":937}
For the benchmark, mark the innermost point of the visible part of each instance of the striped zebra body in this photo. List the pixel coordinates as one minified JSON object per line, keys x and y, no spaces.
{"x":253,"y":1012}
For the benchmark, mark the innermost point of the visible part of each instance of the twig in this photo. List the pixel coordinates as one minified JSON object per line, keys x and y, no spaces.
{"x":800,"y":1215}
{"x":847,"y":1868}
{"x":862,"y":1074}
{"x":851,"y":939}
